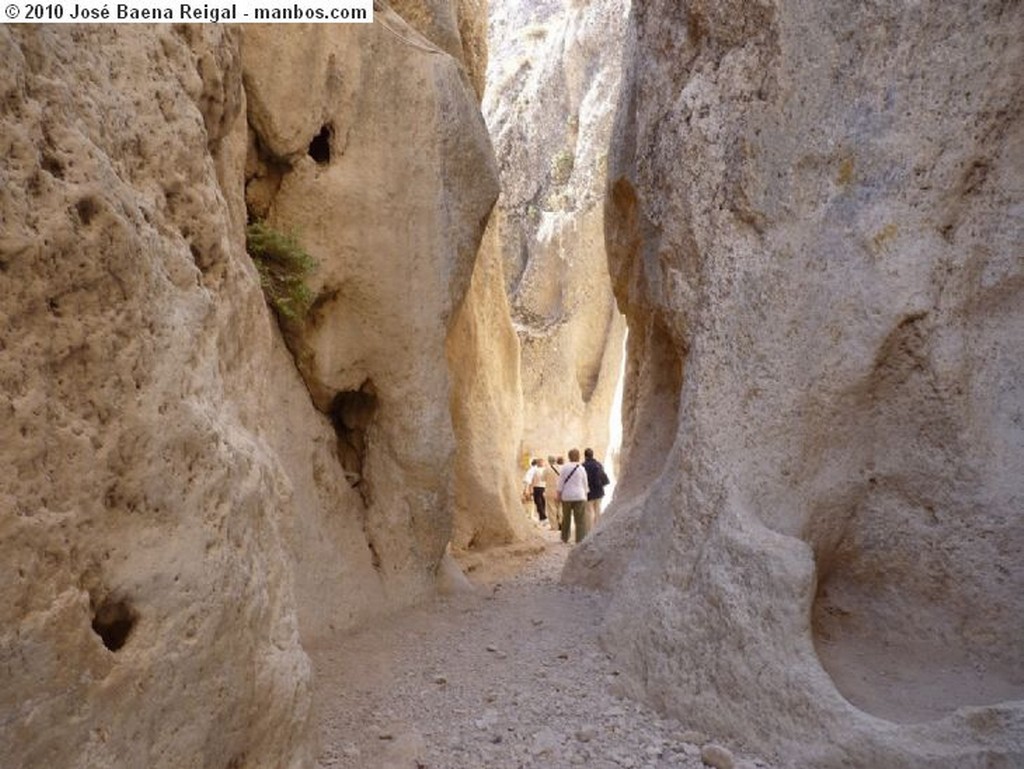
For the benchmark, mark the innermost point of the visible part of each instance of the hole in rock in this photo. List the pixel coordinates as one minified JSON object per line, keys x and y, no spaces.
{"x":351,"y":413}
{"x":113,"y":622}
{"x":87,"y":208}
{"x":656,"y":373}
{"x":52,"y":165}
{"x":320,"y":147}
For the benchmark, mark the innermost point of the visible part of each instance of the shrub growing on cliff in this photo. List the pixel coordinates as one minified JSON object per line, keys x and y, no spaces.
{"x":561,"y":166}
{"x":283,"y":265}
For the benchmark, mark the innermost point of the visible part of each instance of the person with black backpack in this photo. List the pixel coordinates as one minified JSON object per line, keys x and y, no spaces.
{"x":597,"y":479}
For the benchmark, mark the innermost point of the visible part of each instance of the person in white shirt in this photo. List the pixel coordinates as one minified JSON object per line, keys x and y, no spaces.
{"x":539,"y":483}
{"x":572,"y":491}
{"x":533,"y":487}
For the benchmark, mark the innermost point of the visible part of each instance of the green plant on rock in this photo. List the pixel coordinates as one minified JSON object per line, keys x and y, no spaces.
{"x":284,"y":266}
{"x":561,"y":167}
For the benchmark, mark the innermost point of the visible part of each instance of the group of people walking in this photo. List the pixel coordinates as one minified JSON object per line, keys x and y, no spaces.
{"x":566,"y":494}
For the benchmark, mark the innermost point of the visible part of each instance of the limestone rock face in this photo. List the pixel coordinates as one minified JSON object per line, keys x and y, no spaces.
{"x":482,"y":348}
{"x":191,"y":489}
{"x":383,"y":169}
{"x":814,"y":229}
{"x":550,"y":101}
{"x":458,"y":27}
{"x":483,"y":356}
{"x":147,"y":604}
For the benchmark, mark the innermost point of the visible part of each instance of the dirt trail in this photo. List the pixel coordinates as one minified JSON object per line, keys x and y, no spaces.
{"x":508,"y":675}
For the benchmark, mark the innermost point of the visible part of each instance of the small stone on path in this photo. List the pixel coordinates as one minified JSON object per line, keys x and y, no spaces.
{"x":716,"y":756}
{"x":544,"y":741}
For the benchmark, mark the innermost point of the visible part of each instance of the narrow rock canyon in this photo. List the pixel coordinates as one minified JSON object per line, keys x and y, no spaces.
{"x":285,"y":309}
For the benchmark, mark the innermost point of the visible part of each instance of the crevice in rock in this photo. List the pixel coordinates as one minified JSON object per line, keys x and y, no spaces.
{"x":320,"y":146}
{"x":374,"y":555}
{"x":52,"y":164}
{"x":903,"y":352}
{"x":351,"y":413}
{"x":263,"y":176}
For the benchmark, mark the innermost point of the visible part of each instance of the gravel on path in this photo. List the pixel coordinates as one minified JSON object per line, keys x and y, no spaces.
{"x":506,"y":675}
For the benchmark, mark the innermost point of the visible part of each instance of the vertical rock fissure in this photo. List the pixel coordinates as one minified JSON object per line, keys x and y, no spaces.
{"x":352,"y":413}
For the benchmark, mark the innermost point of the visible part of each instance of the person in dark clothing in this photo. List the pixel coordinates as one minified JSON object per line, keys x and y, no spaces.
{"x":597,"y":479}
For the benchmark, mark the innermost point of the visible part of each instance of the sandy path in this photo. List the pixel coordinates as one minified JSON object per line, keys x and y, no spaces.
{"x":510,"y":675}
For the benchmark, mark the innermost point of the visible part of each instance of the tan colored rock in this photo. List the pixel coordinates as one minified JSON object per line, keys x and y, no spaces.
{"x":148,"y":609}
{"x":178,"y":509}
{"x":339,"y":583}
{"x":550,"y":100}
{"x":716,"y":756}
{"x":472,"y":16}
{"x":483,"y":357}
{"x":384,"y":170}
{"x":813,"y":232}
{"x":459,"y":27}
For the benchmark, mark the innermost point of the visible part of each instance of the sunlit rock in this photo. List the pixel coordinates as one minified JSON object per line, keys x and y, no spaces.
{"x":814,"y":230}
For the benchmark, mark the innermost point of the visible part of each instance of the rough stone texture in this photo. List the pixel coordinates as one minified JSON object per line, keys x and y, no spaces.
{"x":483,"y":356}
{"x":552,"y":89}
{"x":815,"y":232}
{"x":482,"y":348}
{"x":717,"y":757}
{"x":393,"y":214}
{"x":147,"y":607}
{"x":458,"y":27}
{"x":182,"y":503}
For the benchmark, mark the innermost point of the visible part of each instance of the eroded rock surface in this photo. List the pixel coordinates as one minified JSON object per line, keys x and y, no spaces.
{"x":815,"y":234}
{"x":391,"y":200}
{"x":484,"y":356}
{"x":191,"y":491}
{"x":148,"y":612}
{"x":552,"y":89}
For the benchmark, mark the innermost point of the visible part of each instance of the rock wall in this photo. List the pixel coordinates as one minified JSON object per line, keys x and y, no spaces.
{"x":549,"y":103}
{"x":383,"y":168}
{"x":147,"y":604}
{"x":458,"y":27}
{"x":482,"y":349}
{"x":487,"y":412}
{"x":814,"y":230}
{"x":195,"y":487}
